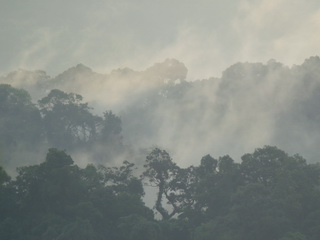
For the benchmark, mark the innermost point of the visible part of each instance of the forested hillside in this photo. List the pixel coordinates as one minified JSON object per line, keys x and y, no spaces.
{"x":268,"y":195}
{"x":160,"y":120}
{"x":92,"y":153}
{"x":250,"y":105}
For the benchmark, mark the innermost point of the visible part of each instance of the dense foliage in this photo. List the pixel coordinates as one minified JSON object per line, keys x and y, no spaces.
{"x":60,"y":120}
{"x":269,"y":195}
{"x":58,"y":200}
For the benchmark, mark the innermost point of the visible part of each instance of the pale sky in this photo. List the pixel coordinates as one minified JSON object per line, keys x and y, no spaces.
{"x":208,"y":36}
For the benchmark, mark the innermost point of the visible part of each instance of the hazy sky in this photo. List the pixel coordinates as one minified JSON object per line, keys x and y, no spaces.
{"x":207,"y":36}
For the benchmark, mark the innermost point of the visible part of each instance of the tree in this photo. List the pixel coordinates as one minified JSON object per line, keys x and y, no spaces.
{"x":278,"y":194}
{"x":20,"y":122}
{"x":110,"y":127}
{"x":68,"y":121}
{"x":108,"y":141}
{"x":50,"y":186}
{"x":121,"y":179}
{"x":4,"y":177}
{"x":262,"y":165}
{"x":216,"y":182}
{"x":6,"y":195}
{"x":290,"y":179}
{"x":160,"y":171}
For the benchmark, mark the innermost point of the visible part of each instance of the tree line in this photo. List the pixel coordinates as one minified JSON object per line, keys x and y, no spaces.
{"x":61,"y":120}
{"x":268,"y":195}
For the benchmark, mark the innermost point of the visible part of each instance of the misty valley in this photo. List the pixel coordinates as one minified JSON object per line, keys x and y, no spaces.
{"x":151,"y":154}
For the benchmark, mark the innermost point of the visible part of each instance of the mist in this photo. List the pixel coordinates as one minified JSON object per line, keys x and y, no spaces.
{"x":208,"y":36}
{"x":251,"y":105}
{"x":197,"y":104}
{"x":160,"y":119}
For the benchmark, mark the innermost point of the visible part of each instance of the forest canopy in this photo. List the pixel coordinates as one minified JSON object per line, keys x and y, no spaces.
{"x":268,"y":195}
{"x":71,"y":168}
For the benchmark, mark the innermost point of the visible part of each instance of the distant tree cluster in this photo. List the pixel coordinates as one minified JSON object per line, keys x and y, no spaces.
{"x":60,"y":120}
{"x":20,"y":119}
{"x":69,"y":124}
{"x":269,"y":195}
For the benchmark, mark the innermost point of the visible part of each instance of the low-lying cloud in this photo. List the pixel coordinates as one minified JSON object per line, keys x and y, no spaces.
{"x":251,"y":105}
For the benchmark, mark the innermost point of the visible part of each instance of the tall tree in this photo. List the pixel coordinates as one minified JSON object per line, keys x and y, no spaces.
{"x":68,"y":121}
{"x":162,"y":172}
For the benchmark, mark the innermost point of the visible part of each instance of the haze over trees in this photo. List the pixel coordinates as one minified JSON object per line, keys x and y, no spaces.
{"x":250,"y":105}
{"x":87,"y":159}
